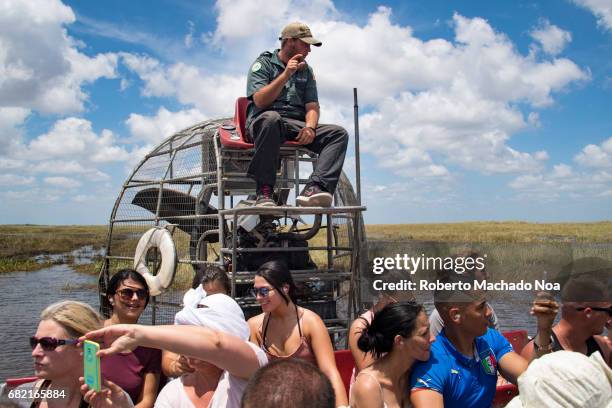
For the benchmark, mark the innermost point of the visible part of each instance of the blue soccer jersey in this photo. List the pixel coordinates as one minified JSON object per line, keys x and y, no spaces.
{"x":462,"y":381}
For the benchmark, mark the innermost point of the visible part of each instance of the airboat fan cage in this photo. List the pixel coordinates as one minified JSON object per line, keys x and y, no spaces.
{"x":195,"y":188}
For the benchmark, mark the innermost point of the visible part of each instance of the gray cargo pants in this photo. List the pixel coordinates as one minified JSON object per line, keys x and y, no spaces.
{"x":269,"y":131}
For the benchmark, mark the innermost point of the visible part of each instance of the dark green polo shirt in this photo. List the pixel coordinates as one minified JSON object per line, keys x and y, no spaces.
{"x":299,"y":90}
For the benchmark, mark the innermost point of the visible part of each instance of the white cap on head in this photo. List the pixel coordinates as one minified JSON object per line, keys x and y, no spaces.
{"x":565,"y":379}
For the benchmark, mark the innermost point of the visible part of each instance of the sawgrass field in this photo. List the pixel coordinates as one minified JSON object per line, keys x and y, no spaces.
{"x":519,"y":246}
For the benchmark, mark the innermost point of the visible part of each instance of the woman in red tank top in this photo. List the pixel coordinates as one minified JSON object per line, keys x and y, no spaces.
{"x":285,"y":330}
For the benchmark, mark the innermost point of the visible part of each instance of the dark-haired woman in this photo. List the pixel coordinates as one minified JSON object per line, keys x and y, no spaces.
{"x":397,"y":337}
{"x":285,"y":330}
{"x":137,"y":372}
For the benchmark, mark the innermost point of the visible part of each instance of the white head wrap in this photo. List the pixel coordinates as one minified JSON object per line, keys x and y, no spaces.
{"x":565,"y":379}
{"x":193,"y":296}
{"x":217,"y":312}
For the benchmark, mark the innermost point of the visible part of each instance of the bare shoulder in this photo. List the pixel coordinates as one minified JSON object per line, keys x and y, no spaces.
{"x":310,"y":319}
{"x":366,"y":383}
{"x":255,"y":324}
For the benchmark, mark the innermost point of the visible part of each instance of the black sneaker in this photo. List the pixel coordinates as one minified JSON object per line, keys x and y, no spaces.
{"x":314,"y":196}
{"x":264,"y":197}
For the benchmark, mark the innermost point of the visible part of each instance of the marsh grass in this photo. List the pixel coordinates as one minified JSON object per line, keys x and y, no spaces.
{"x":516,"y":248}
{"x":20,"y":244}
{"x":496,"y":232}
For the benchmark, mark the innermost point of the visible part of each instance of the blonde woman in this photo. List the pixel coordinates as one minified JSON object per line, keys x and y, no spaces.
{"x":58,"y":360}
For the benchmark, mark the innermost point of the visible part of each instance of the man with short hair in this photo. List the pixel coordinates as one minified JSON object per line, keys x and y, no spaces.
{"x":284,"y":106}
{"x":291,"y":383}
{"x":436,"y":324}
{"x":586,"y":308}
{"x":465,"y":358}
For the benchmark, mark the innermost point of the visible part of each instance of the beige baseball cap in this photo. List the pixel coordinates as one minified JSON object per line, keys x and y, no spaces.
{"x":301,"y":31}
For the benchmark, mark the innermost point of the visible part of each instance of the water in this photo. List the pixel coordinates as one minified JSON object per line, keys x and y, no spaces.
{"x":23,"y":296}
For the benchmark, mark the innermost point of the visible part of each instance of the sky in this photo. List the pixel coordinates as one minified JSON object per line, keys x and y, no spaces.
{"x":469,"y":110}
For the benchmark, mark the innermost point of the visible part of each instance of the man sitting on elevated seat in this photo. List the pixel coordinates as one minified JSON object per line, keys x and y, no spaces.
{"x":284,"y":106}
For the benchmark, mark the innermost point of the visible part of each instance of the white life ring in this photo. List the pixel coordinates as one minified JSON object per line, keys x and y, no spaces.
{"x":161,"y":239}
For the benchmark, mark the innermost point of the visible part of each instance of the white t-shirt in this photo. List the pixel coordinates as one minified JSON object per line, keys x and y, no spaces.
{"x":227,"y":394}
{"x":173,"y":395}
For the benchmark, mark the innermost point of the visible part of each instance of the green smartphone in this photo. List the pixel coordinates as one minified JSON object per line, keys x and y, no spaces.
{"x":91,"y":365}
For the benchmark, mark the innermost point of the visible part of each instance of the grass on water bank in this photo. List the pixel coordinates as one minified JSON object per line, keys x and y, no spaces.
{"x":19,"y":244}
{"x":495,"y":232}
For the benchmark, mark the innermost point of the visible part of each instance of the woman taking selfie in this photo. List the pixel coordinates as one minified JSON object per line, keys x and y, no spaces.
{"x":285,"y":330}
{"x":397,"y":337}
{"x":137,"y":372}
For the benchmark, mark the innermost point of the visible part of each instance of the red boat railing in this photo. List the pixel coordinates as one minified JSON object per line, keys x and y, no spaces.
{"x":503,"y":394}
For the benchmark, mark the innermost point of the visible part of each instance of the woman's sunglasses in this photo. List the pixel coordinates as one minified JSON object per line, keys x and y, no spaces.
{"x":50,"y":343}
{"x":127,"y":294}
{"x":263,"y":292}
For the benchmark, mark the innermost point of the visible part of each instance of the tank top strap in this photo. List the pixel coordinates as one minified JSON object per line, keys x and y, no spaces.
{"x":265,"y":330}
{"x":593,"y":346}
{"x":297,"y":316}
{"x":556,"y":345}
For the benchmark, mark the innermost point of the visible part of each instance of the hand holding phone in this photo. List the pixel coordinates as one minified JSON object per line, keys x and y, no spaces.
{"x":91,"y":365}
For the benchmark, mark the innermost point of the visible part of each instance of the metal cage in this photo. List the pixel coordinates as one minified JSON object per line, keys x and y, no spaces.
{"x":196,"y":188}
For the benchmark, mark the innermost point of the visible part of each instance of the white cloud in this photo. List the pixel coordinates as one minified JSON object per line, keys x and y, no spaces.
{"x":65,"y":182}
{"x":438,"y":104}
{"x":593,"y":177}
{"x":11,"y":164}
{"x":41,"y":67}
{"x":188,"y":40}
{"x":74,"y":137}
{"x":154,"y":129}
{"x":11,"y":119}
{"x":602,"y":9}
{"x":246,"y":27}
{"x":213,"y":94}
{"x":596,"y":156}
{"x":15,"y":180}
{"x":552,"y":38}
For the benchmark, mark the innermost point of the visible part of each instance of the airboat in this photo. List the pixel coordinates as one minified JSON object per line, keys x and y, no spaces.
{"x":189,"y":203}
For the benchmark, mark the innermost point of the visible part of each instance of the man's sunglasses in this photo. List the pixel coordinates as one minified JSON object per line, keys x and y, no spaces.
{"x":263,"y":292}
{"x":598,"y":309}
{"x":127,"y":294}
{"x":50,"y":343}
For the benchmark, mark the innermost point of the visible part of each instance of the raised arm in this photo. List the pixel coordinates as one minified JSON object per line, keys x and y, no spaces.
{"x":362,"y":360}
{"x":192,"y":341}
{"x":545,"y":309}
{"x":266,"y":95}
{"x":324,"y":353}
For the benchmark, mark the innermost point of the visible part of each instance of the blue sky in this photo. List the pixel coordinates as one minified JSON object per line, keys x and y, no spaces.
{"x":471,"y":110}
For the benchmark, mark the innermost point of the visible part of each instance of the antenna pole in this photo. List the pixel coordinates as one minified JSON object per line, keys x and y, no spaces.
{"x":357,"y":159}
